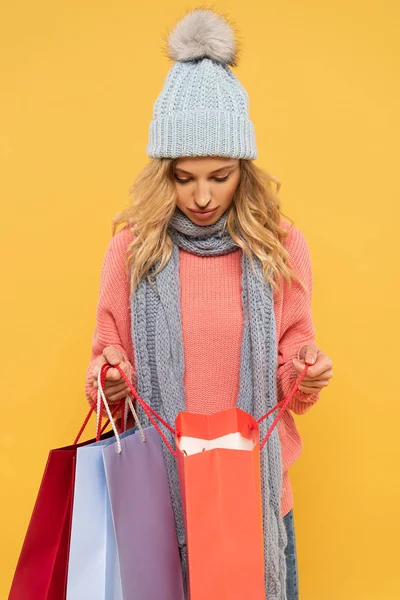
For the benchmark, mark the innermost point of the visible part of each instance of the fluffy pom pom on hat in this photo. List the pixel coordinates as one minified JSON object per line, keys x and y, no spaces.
{"x":203,"y":109}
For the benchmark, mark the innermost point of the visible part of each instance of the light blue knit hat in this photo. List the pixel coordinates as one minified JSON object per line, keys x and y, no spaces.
{"x":203,"y":108}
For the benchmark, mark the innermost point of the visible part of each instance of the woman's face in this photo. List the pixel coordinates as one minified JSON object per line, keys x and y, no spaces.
{"x":204,"y":184}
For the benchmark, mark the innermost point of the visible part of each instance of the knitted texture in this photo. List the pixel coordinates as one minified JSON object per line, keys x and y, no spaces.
{"x":203,"y":109}
{"x":159,"y":359}
{"x":220,"y":275}
{"x":211,"y":309}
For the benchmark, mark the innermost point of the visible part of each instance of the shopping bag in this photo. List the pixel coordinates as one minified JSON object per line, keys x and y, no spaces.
{"x":41,"y":568}
{"x":93,"y":567}
{"x":219,"y":472}
{"x":41,"y":571}
{"x":143,"y":518}
{"x":142,"y":513}
{"x":218,"y":459}
{"x":131,"y":551}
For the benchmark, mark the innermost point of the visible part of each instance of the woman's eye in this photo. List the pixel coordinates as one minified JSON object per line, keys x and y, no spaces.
{"x":218,"y":179}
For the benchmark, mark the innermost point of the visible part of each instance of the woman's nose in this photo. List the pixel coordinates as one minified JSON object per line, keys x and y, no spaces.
{"x":202,"y":196}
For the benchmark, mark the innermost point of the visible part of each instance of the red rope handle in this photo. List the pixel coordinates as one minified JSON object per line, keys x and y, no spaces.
{"x":123,"y":406}
{"x":153,"y":415}
{"x":271,"y":411}
{"x":149,"y":412}
{"x":283,"y":405}
{"x":86,"y":421}
{"x":100,"y":415}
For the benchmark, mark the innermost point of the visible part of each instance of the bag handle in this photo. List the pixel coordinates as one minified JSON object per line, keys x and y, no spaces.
{"x":123,"y":404}
{"x":127,"y":403}
{"x":282,"y":405}
{"x":154,"y":416}
{"x":86,"y":421}
{"x":150,"y":412}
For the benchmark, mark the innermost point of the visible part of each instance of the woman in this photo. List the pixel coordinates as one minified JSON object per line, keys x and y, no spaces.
{"x":205,"y":294}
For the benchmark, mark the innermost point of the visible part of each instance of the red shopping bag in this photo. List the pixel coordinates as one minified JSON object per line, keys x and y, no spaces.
{"x":41,"y":571}
{"x":220,"y":482}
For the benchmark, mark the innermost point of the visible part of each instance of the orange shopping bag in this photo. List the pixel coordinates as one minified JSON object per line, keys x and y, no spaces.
{"x":218,"y":458}
{"x":219,"y":472}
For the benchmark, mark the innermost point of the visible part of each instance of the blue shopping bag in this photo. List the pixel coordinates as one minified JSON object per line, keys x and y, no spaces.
{"x":93,"y":567}
{"x":123,"y":539}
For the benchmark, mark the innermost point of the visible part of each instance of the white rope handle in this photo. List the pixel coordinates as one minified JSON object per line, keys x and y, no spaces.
{"x":100,"y":397}
{"x":135,"y":416}
{"x":126,"y":413}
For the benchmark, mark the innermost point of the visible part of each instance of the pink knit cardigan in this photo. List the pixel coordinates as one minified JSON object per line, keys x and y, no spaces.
{"x":212,"y":329}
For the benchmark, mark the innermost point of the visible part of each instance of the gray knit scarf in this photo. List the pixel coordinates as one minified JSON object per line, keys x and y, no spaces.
{"x":159,"y":361}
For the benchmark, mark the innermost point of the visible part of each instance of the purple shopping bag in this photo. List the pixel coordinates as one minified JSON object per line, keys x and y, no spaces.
{"x":143,"y":518}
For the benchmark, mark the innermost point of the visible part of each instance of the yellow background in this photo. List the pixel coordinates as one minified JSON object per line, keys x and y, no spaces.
{"x":79,"y":79}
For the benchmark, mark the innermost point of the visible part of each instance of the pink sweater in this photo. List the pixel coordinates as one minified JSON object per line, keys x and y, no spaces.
{"x":212,"y":329}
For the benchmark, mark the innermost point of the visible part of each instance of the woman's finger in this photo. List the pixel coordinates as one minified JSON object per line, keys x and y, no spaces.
{"x":327,"y":374}
{"x":309,"y":353}
{"x":117,"y":396}
{"x":100,"y":361}
{"x":113,"y":355}
{"x":112,"y":385}
{"x":110,"y":355}
{"x":311,"y":381}
{"x":112,"y":388}
{"x":318,"y":383}
{"x":113,"y":375}
{"x":323,"y":364}
{"x":310,"y":389}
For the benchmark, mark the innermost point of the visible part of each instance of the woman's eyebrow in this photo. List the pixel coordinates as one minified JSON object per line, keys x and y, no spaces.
{"x":216,"y":170}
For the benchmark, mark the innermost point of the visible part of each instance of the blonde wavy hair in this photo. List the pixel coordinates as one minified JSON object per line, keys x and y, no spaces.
{"x":253,"y":221}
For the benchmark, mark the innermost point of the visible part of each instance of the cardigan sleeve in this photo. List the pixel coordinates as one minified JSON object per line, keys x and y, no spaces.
{"x":112,"y":327}
{"x":297,"y":327}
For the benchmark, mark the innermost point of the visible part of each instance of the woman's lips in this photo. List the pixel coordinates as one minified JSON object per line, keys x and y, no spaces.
{"x":204,"y":214}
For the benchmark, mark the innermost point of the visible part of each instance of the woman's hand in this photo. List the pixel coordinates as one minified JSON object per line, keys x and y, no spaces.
{"x":115,"y":388}
{"x":318,"y":374}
